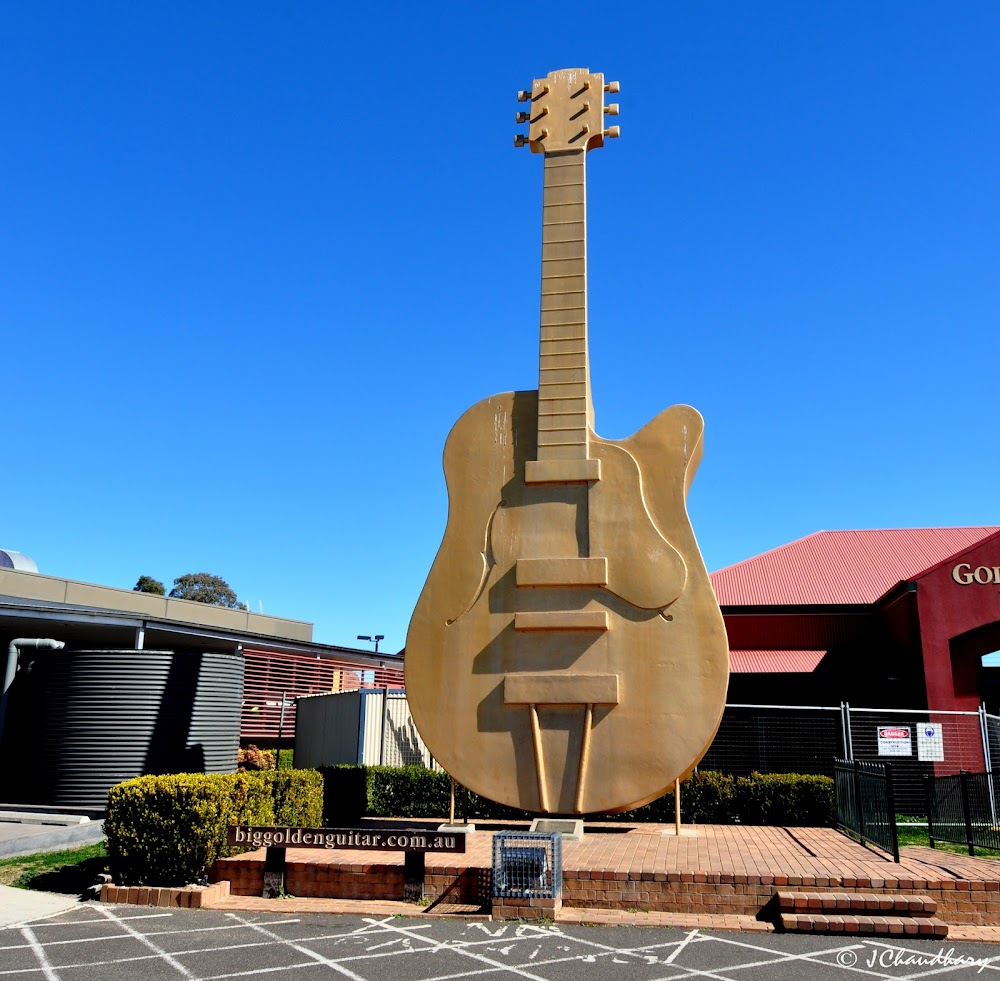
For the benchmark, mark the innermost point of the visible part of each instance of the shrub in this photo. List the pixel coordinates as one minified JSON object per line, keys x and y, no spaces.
{"x":707,"y":797}
{"x":254,"y":758}
{"x":168,"y":830}
{"x":410,"y":791}
{"x":795,"y":799}
{"x":298,"y":799}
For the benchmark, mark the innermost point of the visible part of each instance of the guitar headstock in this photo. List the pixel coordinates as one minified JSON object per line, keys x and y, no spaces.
{"x":566,"y":111}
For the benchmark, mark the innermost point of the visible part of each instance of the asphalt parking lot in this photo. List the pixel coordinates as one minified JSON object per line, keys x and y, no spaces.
{"x":123,"y":943}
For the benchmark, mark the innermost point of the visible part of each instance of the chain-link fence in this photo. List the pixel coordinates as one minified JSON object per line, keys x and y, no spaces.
{"x":751,"y":738}
{"x":776,"y":739}
{"x":805,"y":739}
{"x":919,"y":743}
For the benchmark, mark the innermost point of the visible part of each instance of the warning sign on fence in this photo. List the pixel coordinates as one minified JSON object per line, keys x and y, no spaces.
{"x":930,"y":742}
{"x":894,"y":741}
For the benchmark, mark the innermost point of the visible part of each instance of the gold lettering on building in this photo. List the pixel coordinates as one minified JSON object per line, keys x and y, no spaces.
{"x":965,"y":575}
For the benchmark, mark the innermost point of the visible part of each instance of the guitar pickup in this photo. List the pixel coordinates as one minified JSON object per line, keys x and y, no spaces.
{"x":562,"y":572}
{"x":562,"y":620}
{"x":560,"y":689}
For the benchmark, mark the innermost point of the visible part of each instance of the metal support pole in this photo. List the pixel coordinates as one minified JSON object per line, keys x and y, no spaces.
{"x":274,"y":873}
{"x":890,"y":806}
{"x":963,"y":777}
{"x":984,"y":731}
{"x":385,"y":719}
{"x":929,"y":798}
{"x":281,"y":726}
{"x":677,"y":806}
{"x":859,"y":807}
{"x":847,"y":729}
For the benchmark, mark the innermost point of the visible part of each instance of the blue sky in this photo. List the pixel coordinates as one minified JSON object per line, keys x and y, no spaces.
{"x":256,"y":259}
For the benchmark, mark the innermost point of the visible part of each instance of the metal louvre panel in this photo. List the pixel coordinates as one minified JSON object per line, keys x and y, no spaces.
{"x":108,"y":716}
{"x":270,"y":674}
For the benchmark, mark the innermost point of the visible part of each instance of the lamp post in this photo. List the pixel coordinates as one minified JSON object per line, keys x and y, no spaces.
{"x":376,"y":638}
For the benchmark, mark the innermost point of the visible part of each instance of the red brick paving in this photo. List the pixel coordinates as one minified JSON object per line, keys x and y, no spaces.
{"x":711,"y":870}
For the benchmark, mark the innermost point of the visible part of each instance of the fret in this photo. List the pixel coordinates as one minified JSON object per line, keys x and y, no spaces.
{"x":564,"y":359}
{"x":563,"y":345}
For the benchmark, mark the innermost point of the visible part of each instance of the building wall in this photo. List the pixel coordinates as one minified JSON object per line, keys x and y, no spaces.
{"x":959,"y":622}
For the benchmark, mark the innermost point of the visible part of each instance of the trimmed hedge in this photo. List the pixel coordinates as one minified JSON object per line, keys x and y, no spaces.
{"x":168,"y":830}
{"x":707,"y":797}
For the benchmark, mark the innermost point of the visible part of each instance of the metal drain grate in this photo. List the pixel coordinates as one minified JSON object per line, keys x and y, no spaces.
{"x":527,"y":864}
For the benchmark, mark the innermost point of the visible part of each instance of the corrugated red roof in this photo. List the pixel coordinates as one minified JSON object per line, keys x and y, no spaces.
{"x":774,"y":662}
{"x":840,"y":567}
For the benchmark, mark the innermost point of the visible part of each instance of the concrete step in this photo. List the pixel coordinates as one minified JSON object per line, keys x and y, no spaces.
{"x":42,"y":817}
{"x":855,"y":903}
{"x":869,"y":926}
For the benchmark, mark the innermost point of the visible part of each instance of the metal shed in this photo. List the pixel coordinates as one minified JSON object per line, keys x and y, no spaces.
{"x":369,"y":726}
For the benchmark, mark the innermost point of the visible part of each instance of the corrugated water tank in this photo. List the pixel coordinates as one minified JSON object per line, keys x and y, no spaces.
{"x":106,"y":716}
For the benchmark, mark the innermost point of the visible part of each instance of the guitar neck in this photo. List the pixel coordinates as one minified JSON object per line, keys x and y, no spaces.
{"x":565,"y":412}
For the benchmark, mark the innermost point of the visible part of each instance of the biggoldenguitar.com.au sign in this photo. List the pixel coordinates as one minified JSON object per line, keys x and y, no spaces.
{"x":395,"y":839}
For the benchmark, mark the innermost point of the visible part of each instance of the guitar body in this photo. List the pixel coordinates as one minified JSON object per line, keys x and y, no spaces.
{"x":544,"y":688}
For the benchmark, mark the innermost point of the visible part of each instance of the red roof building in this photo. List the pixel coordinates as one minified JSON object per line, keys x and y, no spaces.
{"x":897,"y":617}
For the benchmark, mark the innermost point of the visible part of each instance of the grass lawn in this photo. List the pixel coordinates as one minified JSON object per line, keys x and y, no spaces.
{"x":71,"y":872}
{"x":919,"y":836}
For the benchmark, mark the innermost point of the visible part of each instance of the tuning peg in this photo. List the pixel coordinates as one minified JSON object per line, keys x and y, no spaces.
{"x":523,"y":117}
{"x":612,"y":132}
{"x":520,"y":140}
{"x":523,"y":95}
{"x":612,"y":87}
{"x":611,"y":110}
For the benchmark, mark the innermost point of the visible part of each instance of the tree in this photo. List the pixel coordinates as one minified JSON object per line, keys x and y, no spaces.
{"x":203,"y":587}
{"x":147,"y":584}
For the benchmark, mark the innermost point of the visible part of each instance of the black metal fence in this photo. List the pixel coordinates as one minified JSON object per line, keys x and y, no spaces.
{"x":866,"y":804}
{"x":962,"y":808}
{"x":527,"y":864}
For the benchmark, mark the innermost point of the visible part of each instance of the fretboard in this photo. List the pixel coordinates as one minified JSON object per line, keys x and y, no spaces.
{"x":564,"y":406}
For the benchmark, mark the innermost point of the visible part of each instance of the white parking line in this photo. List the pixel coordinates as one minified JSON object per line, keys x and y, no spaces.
{"x":39,"y":950}
{"x":482,"y":959}
{"x":318,"y":958}
{"x":681,"y":946}
{"x":163,"y":955}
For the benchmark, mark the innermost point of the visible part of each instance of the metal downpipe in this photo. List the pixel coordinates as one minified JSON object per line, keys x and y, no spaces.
{"x":38,"y":643}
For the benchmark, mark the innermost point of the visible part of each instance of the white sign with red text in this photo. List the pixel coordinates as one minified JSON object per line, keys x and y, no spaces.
{"x":894,"y":741}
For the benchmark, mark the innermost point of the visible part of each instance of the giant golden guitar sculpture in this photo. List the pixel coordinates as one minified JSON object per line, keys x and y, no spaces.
{"x":567,"y":654}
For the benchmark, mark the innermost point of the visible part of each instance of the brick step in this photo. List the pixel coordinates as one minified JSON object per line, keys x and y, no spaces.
{"x":869,"y":926}
{"x":856,"y":903}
